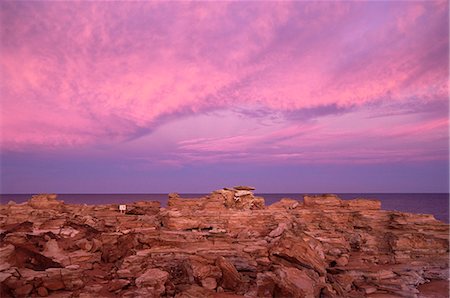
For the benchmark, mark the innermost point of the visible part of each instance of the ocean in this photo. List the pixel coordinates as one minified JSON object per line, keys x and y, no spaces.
{"x":425,"y":203}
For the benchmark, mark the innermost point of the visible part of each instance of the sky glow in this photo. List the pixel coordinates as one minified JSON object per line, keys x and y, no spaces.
{"x":192,"y":96}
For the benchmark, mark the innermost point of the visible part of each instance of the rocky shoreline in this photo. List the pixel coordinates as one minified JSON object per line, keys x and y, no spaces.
{"x":227,"y":244}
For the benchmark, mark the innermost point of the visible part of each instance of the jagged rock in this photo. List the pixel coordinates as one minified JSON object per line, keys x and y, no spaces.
{"x":190,"y":204}
{"x":285,"y":204}
{"x":322,"y":201}
{"x":342,"y":261}
{"x":117,"y":284}
{"x":293,"y":282}
{"x":143,"y":208}
{"x":25,"y":226}
{"x":265,"y":284}
{"x":283,"y":226}
{"x":6,"y":255}
{"x":23,"y":291}
{"x":152,"y":281}
{"x":222,"y":245}
{"x":53,"y":251}
{"x":42,"y":292}
{"x":242,"y":193}
{"x":45,"y":201}
{"x":244,"y":187}
{"x":296,"y":251}
{"x":209,"y":283}
{"x":206,"y":274}
{"x":84,"y":244}
{"x":29,"y":258}
{"x":65,"y":278}
{"x":4,"y":276}
{"x":54,"y":284}
{"x":242,"y":199}
{"x":362,"y":204}
{"x":174,"y":195}
{"x":231,"y":279}
{"x":194,"y":291}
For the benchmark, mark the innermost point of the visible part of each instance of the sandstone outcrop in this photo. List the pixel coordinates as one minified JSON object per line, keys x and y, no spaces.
{"x":227,"y":244}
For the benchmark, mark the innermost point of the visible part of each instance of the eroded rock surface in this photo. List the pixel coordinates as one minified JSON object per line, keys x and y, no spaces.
{"x":228,"y":244}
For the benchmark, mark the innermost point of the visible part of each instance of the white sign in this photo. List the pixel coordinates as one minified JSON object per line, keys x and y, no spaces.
{"x":122,"y":208}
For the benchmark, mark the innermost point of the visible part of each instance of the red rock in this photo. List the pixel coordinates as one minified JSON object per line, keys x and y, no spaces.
{"x":368,"y":289}
{"x":285,"y":204}
{"x":231,"y":279}
{"x":202,"y":270}
{"x":6,"y":256}
{"x":238,"y":199}
{"x":266,"y":283}
{"x":342,"y":261}
{"x":434,"y":289}
{"x":191,"y":204}
{"x":226,"y":242}
{"x":153,"y":280}
{"x":117,"y":284}
{"x":345,"y":281}
{"x":296,"y":251}
{"x":84,"y":244}
{"x":240,"y":187}
{"x":4,"y":276}
{"x":283,"y":226}
{"x":45,"y":201}
{"x":42,"y":292}
{"x":322,"y":201}
{"x":72,"y":279}
{"x":53,"y":251}
{"x":174,"y":195}
{"x":209,"y":283}
{"x":194,"y":291}
{"x":362,"y":204}
{"x":23,"y":291}
{"x":25,"y":226}
{"x":292,"y":282}
{"x":143,"y":208}
{"x":54,"y":284}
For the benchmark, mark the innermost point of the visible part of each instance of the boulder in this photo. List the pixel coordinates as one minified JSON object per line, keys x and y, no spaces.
{"x":294,"y":250}
{"x":285,"y":204}
{"x":117,"y":284}
{"x":23,"y":291}
{"x":45,"y":201}
{"x":322,"y":201}
{"x":231,"y":279}
{"x":201,"y":271}
{"x":292,"y":282}
{"x":42,"y":292}
{"x":153,"y":280}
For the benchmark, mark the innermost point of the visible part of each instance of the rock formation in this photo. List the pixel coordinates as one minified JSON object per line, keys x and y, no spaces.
{"x":227,"y":244}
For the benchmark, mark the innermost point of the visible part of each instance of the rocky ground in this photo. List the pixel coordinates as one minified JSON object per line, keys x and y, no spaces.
{"x":228,"y":244}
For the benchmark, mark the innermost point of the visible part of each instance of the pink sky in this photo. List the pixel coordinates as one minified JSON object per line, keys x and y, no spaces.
{"x":176,"y":84}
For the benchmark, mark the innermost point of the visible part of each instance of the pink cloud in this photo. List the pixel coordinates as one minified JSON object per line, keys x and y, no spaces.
{"x":327,"y":141}
{"x":80,"y":74}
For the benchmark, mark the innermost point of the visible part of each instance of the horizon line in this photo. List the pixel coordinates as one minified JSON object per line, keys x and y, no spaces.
{"x":203,"y":193}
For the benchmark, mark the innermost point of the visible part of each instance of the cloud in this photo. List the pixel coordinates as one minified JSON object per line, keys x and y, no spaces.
{"x":331,"y":140}
{"x":85,"y":73}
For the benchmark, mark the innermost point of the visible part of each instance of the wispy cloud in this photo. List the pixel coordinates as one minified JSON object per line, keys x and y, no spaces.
{"x":86,"y":73}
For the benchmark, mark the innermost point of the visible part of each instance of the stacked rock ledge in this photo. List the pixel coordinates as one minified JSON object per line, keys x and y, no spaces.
{"x":226,"y":244}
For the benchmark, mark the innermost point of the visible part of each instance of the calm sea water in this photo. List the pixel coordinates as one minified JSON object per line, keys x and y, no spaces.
{"x":435,"y":203}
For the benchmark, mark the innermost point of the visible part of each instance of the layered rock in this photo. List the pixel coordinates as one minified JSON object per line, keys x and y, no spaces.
{"x":239,"y":197}
{"x":227,"y":244}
